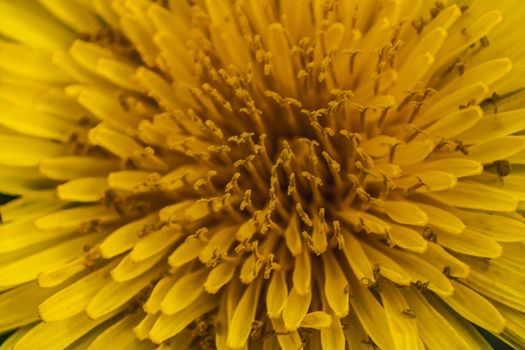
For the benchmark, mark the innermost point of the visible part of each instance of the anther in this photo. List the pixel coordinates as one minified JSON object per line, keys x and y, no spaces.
{"x":92,"y":254}
{"x":338,"y":236}
{"x":257,"y":329}
{"x":484,"y":42}
{"x":303,"y":215}
{"x":352,"y":57}
{"x":392,"y":152}
{"x":417,"y":108}
{"x":382,"y":117}
{"x":471,"y":102}
{"x":376,"y":269}
{"x":429,"y":234}
{"x":247,"y":201}
{"x":408,"y":313}
{"x":461,"y":147}
{"x":503,"y":167}
{"x":419,"y":184}
{"x":422,"y":285}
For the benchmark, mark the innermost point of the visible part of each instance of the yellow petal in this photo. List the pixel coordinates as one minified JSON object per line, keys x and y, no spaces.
{"x":363,"y":221}
{"x":128,"y":269}
{"x":105,"y":106}
{"x":244,"y":315}
{"x":371,"y":315}
{"x":76,"y":217}
{"x":402,"y":324}
{"x":10,"y":342}
{"x":219,"y":276}
{"x":74,"y":298}
{"x":293,"y":237}
{"x":491,"y":279}
{"x":276,"y":294}
{"x":444,"y":261}
{"x":332,"y":337}
{"x":154,"y":243}
{"x":74,"y":15}
{"x":27,"y":151}
{"x":23,"y":233}
{"x":408,"y":238}
{"x":67,"y":168}
{"x":125,"y":237}
{"x":168,"y":326}
{"x":470,"y":242}
{"x":471,"y":195}
{"x":475,"y":308}
{"x":456,"y":166}
{"x":128,"y":180}
{"x":181,"y":340}
{"x":317,"y":320}
{"x":404,"y":213}
{"x":421,"y":270}
{"x":152,"y":305}
{"x":411,"y":153}
{"x":465,"y":330}
{"x":302,"y":273}
{"x":496,"y":149}
{"x":141,"y":38}
{"x":59,"y":334}
{"x":428,"y":181}
{"x":37,"y":63}
{"x":442,"y":218}
{"x":477,"y":28}
{"x":336,"y":287}
{"x":218,"y":244}
{"x":288,"y":340}
{"x":185,"y":291}
{"x":186,"y":251}
{"x":295,"y":309}
{"x":27,"y":268}
{"x":494,"y":126}
{"x":387,"y":266}
{"x":358,"y":259}
{"x":88,"y":189}
{"x":428,"y":45}
{"x":115,"y":294}
{"x":32,"y":123}
{"x":60,"y":274}
{"x":355,"y":334}
{"x":434,"y":329}
{"x":20,"y":305}
{"x":157,"y":87}
{"x":142,"y":329}
{"x":30,"y":207}
{"x":23,"y":181}
{"x":514,"y":333}
{"x":119,"y":335}
{"x":488,"y":72}
{"x":449,"y":103}
{"x":31,"y":24}
{"x":42,"y":99}
{"x":497,"y":227}
{"x":115,"y":142}
{"x":118,"y":72}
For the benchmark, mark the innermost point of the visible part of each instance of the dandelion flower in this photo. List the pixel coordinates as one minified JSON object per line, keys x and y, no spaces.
{"x":257,"y":174}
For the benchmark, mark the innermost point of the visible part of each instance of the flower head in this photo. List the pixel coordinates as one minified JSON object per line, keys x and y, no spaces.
{"x":254,"y":174}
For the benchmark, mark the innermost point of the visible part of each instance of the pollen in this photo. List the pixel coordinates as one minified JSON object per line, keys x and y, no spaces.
{"x":249,"y":174}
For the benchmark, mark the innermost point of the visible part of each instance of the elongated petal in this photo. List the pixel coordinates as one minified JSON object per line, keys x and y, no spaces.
{"x":479,"y":310}
{"x":475,"y":196}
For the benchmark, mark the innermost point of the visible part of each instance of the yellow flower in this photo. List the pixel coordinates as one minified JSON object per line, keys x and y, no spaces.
{"x":257,"y":174}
